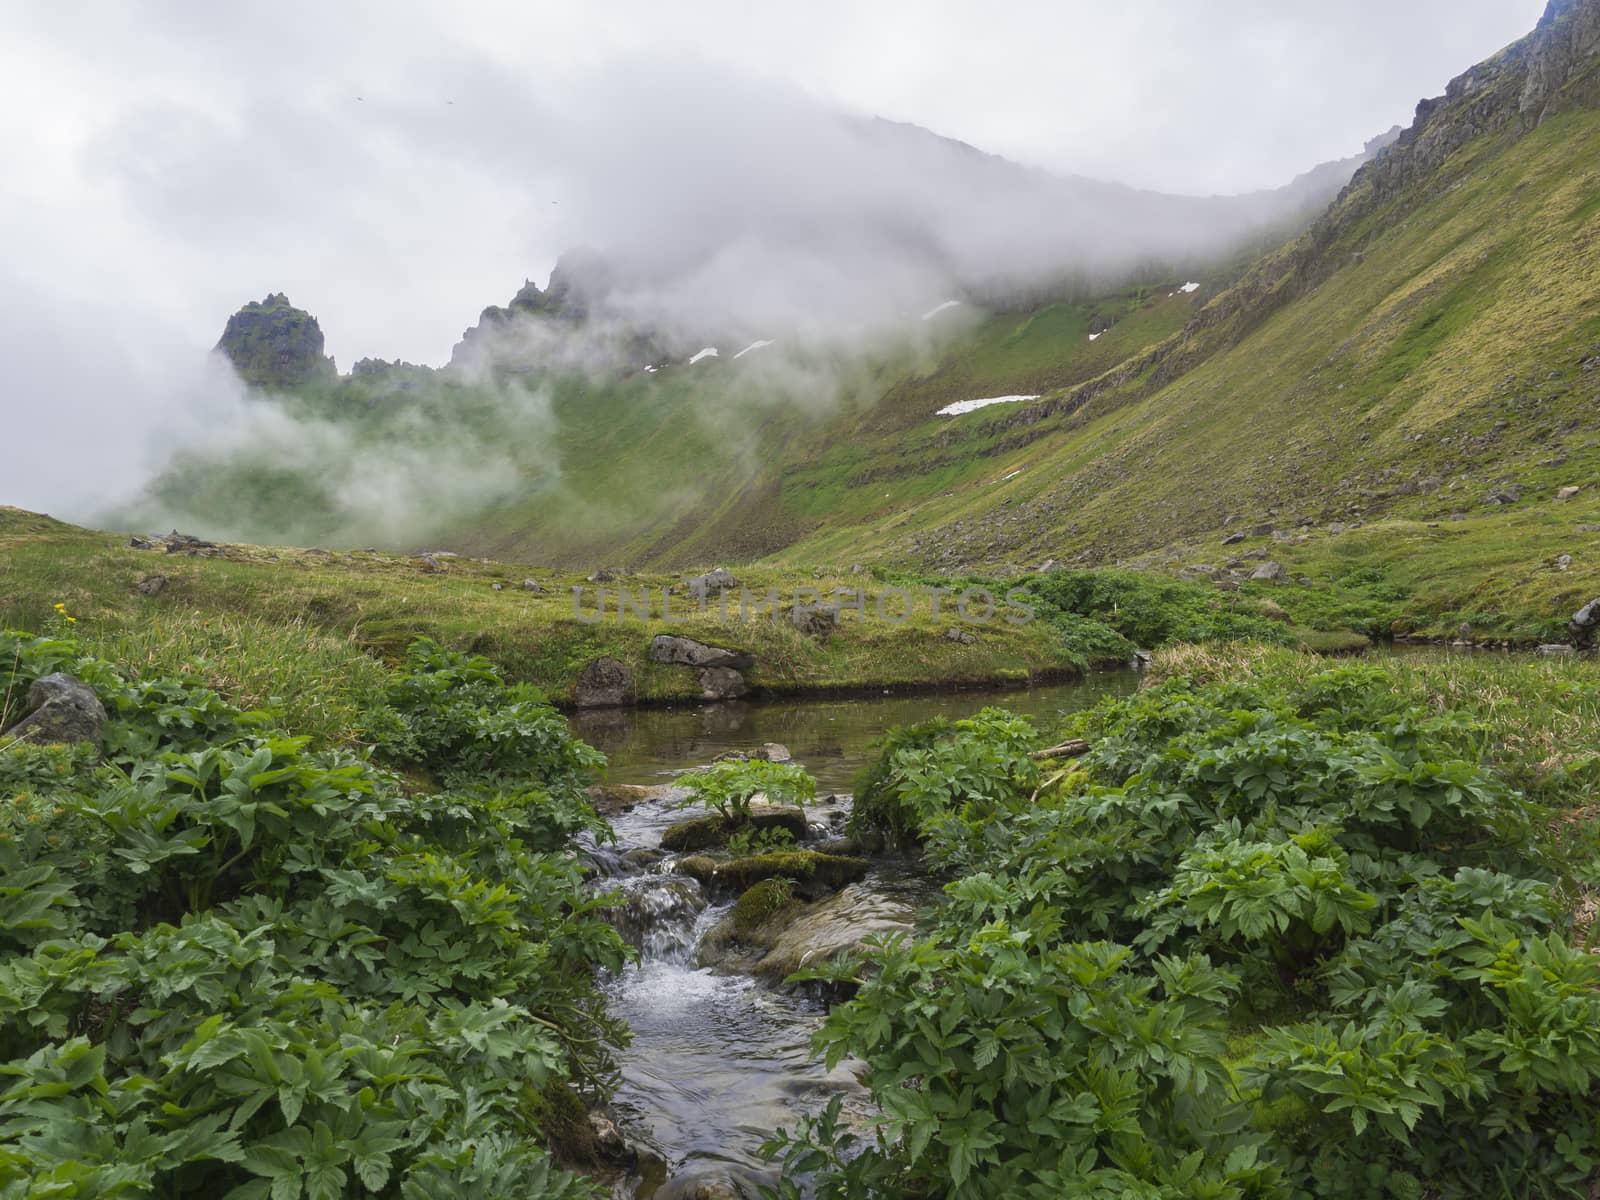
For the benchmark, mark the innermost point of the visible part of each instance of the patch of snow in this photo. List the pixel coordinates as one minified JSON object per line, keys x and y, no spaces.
{"x":1095,"y":337}
{"x":708,"y":352}
{"x":934,"y":312}
{"x":652,"y":370}
{"x":1189,"y":287}
{"x":966,"y":406}
{"x":1013,"y":475}
{"x":758,"y":344}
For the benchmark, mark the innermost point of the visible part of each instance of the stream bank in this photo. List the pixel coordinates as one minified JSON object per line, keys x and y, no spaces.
{"x":720,"y":1057}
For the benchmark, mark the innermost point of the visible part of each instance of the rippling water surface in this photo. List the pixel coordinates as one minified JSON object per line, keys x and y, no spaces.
{"x":719,"y":1062}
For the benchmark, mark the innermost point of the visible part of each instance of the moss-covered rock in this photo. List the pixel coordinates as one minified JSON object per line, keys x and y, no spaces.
{"x":841,"y":923}
{"x":748,"y":931}
{"x":760,"y":904}
{"x":813,"y":874}
{"x":708,"y":832}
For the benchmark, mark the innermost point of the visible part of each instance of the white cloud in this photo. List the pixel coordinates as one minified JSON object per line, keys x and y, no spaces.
{"x":394,"y":167}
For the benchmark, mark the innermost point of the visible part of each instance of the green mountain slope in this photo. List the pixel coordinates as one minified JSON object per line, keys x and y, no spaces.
{"x":1402,"y":393}
{"x":1427,"y":344}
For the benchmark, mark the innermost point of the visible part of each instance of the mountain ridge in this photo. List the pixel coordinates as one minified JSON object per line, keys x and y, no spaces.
{"x":1409,"y":367}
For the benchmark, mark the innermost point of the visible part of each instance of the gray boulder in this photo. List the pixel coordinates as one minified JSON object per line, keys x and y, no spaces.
{"x":1588,"y":616}
{"x":1271,"y":571}
{"x":1233,"y":539}
{"x":766,"y":752}
{"x":686,"y":652}
{"x":815,"y":620}
{"x":60,"y":709}
{"x":604,"y":683}
{"x":715,"y":582}
{"x":722,"y":683}
{"x":839,"y":923}
{"x":960,"y":635}
{"x":151,"y":585}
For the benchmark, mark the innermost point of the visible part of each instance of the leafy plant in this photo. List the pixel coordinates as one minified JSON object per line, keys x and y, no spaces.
{"x":750,"y":840}
{"x":1271,"y":937}
{"x":729,"y":787}
{"x":232,"y":964}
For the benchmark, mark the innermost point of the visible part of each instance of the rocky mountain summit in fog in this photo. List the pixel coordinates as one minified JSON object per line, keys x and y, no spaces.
{"x":271,"y":343}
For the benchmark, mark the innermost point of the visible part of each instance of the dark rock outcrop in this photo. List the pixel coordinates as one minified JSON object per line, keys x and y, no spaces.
{"x":686,"y":652}
{"x":604,"y":683}
{"x":271,"y":343}
{"x":722,"y":683}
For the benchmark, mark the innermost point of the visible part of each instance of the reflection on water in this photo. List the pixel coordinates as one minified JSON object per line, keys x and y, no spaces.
{"x":830,"y":738}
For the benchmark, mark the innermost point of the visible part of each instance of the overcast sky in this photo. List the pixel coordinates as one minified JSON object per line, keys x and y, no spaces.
{"x":165,"y":162}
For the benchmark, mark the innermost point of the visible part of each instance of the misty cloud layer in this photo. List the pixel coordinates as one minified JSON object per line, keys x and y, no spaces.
{"x":394,"y":168}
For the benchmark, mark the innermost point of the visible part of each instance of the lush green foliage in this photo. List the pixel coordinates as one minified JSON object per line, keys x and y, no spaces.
{"x":728,"y":787}
{"x":234,"y":965}
{"x":1262,"y":940}
{"x":1150,"y":610}
{"x":750,"y":840}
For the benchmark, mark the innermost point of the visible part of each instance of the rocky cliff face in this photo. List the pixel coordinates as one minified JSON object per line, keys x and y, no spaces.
{"x":271,"y":343}
{"x":578,"y":287}
{"x":1552,"y":69}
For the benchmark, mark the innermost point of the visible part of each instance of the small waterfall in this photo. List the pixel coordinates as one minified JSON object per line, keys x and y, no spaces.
{"x":659,"y":915}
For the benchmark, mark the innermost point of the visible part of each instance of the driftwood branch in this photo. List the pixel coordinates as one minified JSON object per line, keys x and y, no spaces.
{"x":1073,"y":749}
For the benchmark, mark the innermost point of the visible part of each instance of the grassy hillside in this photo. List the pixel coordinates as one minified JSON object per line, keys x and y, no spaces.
{"x":241,"y":616}
{"x":1404,"y":393}
{"x":1445,"y":371}
{"x":720,"y":461}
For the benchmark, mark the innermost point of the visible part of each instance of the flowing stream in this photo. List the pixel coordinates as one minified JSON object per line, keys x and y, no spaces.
{"x":720,"y":1059}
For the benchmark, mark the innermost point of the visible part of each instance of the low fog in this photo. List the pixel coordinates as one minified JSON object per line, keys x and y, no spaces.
{"x":731,"y":176}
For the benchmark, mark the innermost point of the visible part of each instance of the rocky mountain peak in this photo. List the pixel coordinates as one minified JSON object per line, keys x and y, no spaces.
{"x":1553,"y":69}
{"x":271,"y":343}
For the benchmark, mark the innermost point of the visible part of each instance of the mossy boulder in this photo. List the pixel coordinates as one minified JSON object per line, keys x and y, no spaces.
{"x":761,"y":904}
{"x":813,"y":874}
{"x":748,"y":931}
{"x":714,"y":830}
